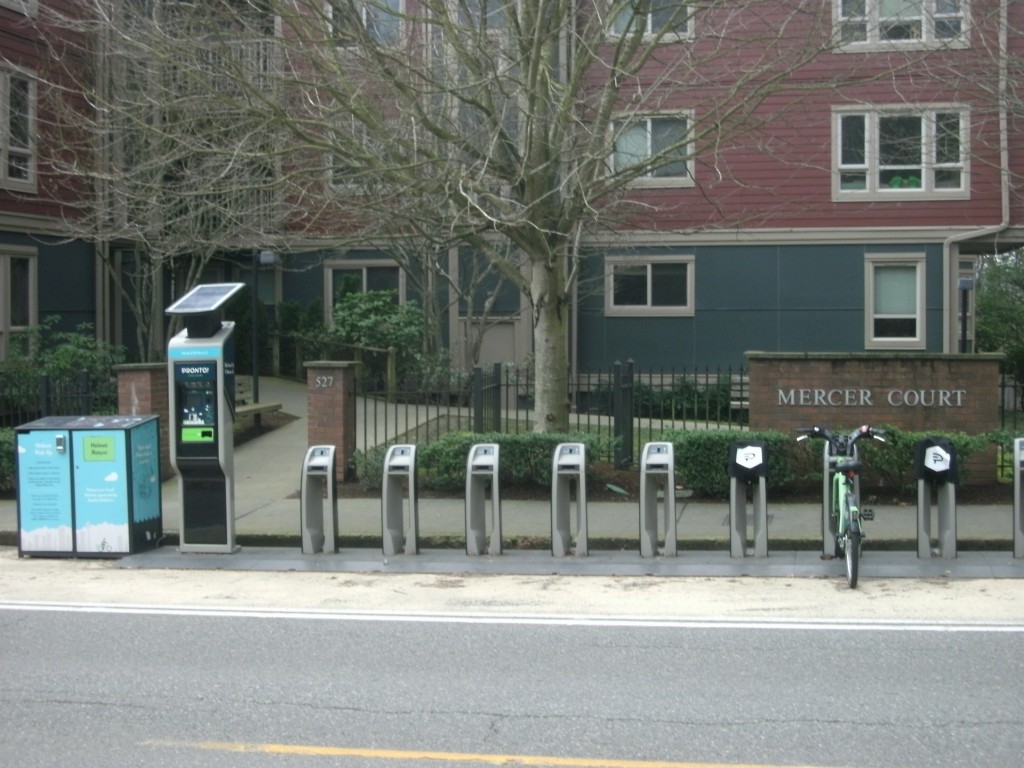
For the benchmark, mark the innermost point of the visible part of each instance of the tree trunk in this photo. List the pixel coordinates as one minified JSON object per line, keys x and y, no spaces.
{"x":550,"y":351}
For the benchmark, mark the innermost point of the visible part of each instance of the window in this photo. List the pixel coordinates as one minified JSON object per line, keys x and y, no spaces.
{"x":901,"y":154}
{"x":361,"y":277}
{"x":380,"y":20}
{"x":912,"y":23}
{"x":483,"y":290}
{"x":488,"y":15}
{"x":17,"y":295}
{"x":895,"y":302}
{"x":660,"y":285}
{"x":656,"y":148}
{"x":658,"y":17}
{"x":17,"y":132}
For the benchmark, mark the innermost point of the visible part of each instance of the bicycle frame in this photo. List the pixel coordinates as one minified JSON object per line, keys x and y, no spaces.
{"x":840,"y":488}
{"x":840,"y":508}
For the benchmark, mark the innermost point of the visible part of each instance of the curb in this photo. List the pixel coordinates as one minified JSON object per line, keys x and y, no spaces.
{"x":525,"y":544}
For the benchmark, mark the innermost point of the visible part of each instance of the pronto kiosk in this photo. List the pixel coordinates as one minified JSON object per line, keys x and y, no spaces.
{"x":201,"y":380}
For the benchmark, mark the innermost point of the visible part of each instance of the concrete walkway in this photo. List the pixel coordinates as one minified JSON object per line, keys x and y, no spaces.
{"x":267,"y":480}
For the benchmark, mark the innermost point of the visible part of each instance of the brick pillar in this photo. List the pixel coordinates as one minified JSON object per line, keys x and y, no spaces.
{"x":331,"y":403}
{"x":142,"y":391}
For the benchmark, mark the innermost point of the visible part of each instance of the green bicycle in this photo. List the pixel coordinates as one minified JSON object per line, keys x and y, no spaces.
{"x":845,"y":514}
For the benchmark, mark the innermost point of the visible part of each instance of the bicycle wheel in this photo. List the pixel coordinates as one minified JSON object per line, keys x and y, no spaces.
{"x":852,"y":548}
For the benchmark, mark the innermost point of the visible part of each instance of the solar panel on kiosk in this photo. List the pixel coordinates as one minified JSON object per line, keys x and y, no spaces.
{"x":204,"y":298}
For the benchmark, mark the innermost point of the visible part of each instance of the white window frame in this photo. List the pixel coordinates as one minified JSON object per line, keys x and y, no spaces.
{"x":6,"y":150}
{"x":648,"y":179}
{"x":929,"y":166}
{"x":7,"y":328}
{"x":618,"y":26}
{"x":351,"y":266}
{"x":648,"y":310}
{"x":933,"y":14}
{"x":364,"y":8}
{"x":876,"y":261}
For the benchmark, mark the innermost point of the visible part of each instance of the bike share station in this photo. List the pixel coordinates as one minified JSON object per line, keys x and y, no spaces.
{"x":937,"y":475}
{"x":482,"y":467}
{"x":747,"y":470}
{"x":201,"y":383}
{"x":658,"y":481}
{"x":400,"y":516}
{"x":568,"y":471}
{"x":318,"y":501}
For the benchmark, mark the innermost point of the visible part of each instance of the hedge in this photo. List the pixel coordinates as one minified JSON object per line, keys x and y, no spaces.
{"x":525,"y":459}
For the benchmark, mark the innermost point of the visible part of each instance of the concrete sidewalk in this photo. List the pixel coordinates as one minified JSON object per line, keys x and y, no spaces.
{"x":267,"y":480}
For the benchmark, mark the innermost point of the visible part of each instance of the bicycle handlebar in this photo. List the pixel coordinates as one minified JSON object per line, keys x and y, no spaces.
{"x":841,"y":442}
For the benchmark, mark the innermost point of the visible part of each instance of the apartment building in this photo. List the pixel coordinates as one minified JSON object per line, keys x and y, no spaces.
{"x":846,"y":212}
{"x":33,"y":246}
{"x":850,"y":222}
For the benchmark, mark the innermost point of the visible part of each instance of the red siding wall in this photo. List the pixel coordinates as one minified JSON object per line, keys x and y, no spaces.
{"x":779,"y":174}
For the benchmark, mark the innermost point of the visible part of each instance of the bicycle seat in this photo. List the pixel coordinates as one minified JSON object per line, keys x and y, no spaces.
{"x":849,"y":465}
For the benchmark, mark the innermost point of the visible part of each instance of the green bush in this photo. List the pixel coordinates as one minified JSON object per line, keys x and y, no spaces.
{"x":6,"y":460}
{"x":60,"y":355}
{"x":891,"y":464}
{"x":65,"y":353}
{"x":702,"y":459}
{"x":526,"y":459}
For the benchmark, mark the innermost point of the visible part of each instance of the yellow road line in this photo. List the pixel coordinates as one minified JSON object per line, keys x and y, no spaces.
{"x":449,"y":757}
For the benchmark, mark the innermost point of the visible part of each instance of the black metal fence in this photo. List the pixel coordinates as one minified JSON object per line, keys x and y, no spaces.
{"x":621,"y":403}
{"x":27,"y":397}
{"x":1011,"y":417}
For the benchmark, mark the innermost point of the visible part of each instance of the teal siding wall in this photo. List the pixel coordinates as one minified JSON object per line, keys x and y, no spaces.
{"x":66,"y":282}
{"x":782,"y":298}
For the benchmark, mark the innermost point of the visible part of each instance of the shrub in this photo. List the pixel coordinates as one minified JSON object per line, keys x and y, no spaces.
{"x":6,"y":460}
{"x":892,"y":464}
{"x":65,"y":353}
{"x":526,"y":459}
{"x":61,"y":355}
{"x":702,"y":459}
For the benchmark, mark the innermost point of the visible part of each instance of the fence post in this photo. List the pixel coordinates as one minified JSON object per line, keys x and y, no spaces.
{"x":44,"y":394}
{"x":476,"y":390}
{"x":392,"y":384}
{"x":622,"y":413}
{"x":617,"y":413}
{"x":83,"y":397}
{"x":627,"y":416}
{"x":496,"y":398}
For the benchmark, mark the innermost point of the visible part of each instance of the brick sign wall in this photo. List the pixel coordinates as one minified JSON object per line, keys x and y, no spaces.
{"x":920,"y":393}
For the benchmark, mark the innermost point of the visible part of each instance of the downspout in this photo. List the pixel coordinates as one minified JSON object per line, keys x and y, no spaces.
{"x":1004,"y":183}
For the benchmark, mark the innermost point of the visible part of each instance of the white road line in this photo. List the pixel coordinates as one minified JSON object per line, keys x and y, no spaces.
{"x":650,"y":622}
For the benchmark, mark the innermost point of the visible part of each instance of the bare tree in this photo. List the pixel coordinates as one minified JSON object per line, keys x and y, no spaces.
{"x":161,"y":161}
{"x":528,"y":123}
{"x":519,"y":128}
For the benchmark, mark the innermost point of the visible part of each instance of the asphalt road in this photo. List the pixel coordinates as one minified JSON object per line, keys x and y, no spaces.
{"x":118,"y":684}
